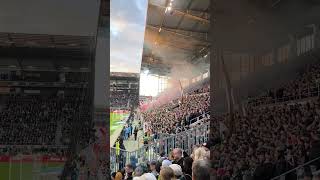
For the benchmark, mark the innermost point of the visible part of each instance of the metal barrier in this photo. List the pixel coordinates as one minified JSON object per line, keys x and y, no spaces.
{"x":191,"y":122}
{"x":199,"y":118}
{"x":300,"y":171}
{"x":185,"y":140}
{"x":311,"y":91}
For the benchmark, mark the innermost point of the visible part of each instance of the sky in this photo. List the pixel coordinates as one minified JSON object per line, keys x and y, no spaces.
{"x":127,"y":27}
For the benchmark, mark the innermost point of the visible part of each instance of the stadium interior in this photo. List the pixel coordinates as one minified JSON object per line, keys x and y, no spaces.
{"x":48,"y":118}
{"x":173,"y":107}
{"x":198,"y":89}
{"x":261,"y":64}
{"x":264,"y":76}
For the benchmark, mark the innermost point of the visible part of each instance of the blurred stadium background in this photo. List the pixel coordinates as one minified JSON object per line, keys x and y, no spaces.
{"x":52,"y":107}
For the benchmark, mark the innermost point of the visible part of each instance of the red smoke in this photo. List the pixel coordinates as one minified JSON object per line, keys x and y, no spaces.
{"x":166,"y":96}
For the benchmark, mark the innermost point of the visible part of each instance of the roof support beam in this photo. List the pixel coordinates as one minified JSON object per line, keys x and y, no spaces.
{"x":163,"y":18}
{"x":201,"y":36}
{"x":186,"y":14}
{"x":179,"y":30}
{"x":182,"y":18}
{"x":202,"y":52}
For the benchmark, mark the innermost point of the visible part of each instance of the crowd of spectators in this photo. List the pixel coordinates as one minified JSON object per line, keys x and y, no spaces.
{"x":33,"y":119}
{"x":268,"y":141}
{"x":303,"y":86}
{"x":176,"y":166}
{"x":177,"y":115}
{"x":265,"y":141}
{"x":122,"y":99}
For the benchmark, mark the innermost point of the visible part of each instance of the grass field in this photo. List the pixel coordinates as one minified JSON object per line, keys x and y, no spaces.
{"x":115,"y":121}
{"x":23,"y":171}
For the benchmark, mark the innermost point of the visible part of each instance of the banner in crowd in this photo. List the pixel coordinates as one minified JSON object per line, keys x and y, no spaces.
{"x":119,"y":111}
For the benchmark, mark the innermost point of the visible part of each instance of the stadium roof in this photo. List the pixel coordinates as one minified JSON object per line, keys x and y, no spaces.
{"x":261,"y":25}
{"x":176,"y":31}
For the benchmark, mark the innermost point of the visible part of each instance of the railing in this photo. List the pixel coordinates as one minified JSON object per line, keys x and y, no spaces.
{"x":185,"y":140}
{"x":119,"y":157}
{"x":198,"y":118}
{"x":299,"y":171}
{"x":193,"y":120}
{"x":311,"y":91}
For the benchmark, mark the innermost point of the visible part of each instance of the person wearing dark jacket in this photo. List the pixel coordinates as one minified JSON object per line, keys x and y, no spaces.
{"x":128,"y":172}
{"x":177,"y":156}
{"x":136,"y":129}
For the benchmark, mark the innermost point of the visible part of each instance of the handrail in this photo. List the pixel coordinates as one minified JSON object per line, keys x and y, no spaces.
{"x":298,"y":167}
{"x":303,"y":92}
{"x":208,"y":112}
{"x":154,"y":143}
{"x":186,"y":140}
{"x":120,"y":149}
{"x":183,"y":132}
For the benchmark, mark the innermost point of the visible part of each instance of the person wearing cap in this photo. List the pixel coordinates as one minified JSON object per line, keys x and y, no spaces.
{"x":177,"y":170}
{"x":138,"y":171}
{"x":165,"y":163}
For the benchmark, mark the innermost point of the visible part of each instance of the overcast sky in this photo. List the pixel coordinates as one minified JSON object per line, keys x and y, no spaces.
{"x":127,"y":26}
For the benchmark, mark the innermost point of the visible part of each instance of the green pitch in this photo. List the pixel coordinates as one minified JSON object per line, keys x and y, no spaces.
{"x":23,"y":171}
{"x":115,"y":121}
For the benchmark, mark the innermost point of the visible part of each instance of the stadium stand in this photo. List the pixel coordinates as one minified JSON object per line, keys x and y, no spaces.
{"x":306,"y":85}
{"x":275,"y":136}
{"x":272,"y":140}
{"x":42,"y":102}
{"x":48,"y":124}
{"x":165,"y":142}
{"x":122,"y":99}
{"x":33,"y":119}
{"x":175,"y":124}
{"x":124,"y":90}
{"x":176,"y":116}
